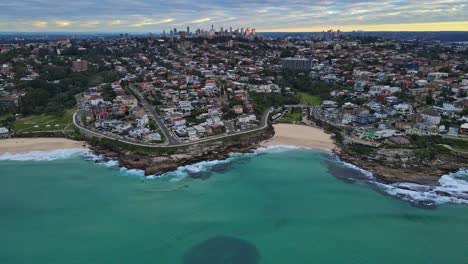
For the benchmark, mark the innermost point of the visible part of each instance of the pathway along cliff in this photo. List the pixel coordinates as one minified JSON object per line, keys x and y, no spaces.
{"x":155,"y":161}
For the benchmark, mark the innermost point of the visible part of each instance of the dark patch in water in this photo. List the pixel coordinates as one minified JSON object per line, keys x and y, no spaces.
{"x":414,"y":218}
{"x":218,"y":168}
{"x":350,"y":175}
{"x":202,"y":175}
{"x":222,"y":250}
{"x":344,"y":173}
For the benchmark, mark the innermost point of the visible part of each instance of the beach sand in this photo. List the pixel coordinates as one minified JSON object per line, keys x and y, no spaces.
{"x":301,"y":136}
{"x":18,"y":145}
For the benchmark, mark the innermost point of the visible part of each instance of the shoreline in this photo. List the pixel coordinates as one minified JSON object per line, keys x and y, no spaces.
{"x":24,"y":145}
{"x":300,"y":136}
{"x":425,"y":193}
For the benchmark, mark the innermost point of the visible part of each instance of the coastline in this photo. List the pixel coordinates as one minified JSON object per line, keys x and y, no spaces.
{"x":300,"y":136}
{"x":410,"y":185}
{"x":22,"y":145}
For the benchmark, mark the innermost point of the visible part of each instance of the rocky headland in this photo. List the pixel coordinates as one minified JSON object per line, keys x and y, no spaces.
{"x":158,"y":161}
{"x":404,"y":165}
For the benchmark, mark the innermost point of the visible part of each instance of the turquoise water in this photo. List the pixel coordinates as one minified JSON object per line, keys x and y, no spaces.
{"x":280,"y":207}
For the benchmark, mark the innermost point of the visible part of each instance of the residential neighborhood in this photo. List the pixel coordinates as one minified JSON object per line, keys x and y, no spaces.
{"x":185,"y":87}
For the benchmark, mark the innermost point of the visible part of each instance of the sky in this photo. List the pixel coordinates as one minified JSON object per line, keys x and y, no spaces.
{"x":263,"y":15}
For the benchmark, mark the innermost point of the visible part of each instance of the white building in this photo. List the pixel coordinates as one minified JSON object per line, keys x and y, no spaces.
{"x":431,"y":116}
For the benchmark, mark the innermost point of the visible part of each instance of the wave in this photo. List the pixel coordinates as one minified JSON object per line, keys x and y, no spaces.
{"x":451,"y":188}
{"x":48,"y":155}
{"x":112,"y":163}
{"x":201,"y":169}
{"x":285,"y":148}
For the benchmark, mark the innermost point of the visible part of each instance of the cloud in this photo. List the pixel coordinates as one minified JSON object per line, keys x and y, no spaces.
{"x":143,"y":15}
{"x":150,"y":22}
{"x":62,"y":23}
{"x":89,"y":24}
{"x":115,"y":22}
{"x":201,"y":20}
{"x":40,"y":24}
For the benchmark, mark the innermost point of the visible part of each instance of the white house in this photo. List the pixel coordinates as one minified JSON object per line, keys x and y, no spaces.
{"x":246,"y":118}
{"x":4,"y":132}
{"x":155,"y":136}
{"x":431,"y":116}
{"x":142,"y":121}
{"x":95,"y":100}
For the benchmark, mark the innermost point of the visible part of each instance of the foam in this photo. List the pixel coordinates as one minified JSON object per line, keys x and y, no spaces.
{"x":451,"y":188}
{"x":48,"y":155}
{"x":200,"y":167}
{"x":284,"y":148}
{"x":112,"y":163}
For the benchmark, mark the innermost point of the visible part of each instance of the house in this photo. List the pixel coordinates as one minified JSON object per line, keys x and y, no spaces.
{"x":192,"y":133}
{"x":431,"y":116}
{"x":247,"y":118}
{"x":103,"y":123}
{"x":127,"y":100}
{"x":185,"y":106}
{"x":201,"y":130}
{"x":155,"y":136}
{"x":365,"y":118}
{"x":464,"y":128}
{"x":423,"y":129}
{"x":142,"y":121}
{"x":4,"y":132}
{"x":385,"y":133}
{"x":181,"y":132}
{"x":136,"y":132}
{"x":123,"y":126}
{"x":102,"y":115}
{"x":238,"y":109}
{"x":403,"y":108}
{"x":95,"y":100}
{"x":179,"y":122}
{"x":453,"y":131}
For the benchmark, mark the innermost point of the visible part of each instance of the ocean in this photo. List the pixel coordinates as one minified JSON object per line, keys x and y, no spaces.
{"x":277,"y":205}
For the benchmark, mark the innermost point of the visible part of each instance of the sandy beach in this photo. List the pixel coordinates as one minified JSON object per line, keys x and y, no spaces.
{"x":301,"y":136}
{"x":19,"y":145}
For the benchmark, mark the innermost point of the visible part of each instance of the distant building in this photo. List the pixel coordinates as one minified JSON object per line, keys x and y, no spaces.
{"x":79,"y":65}
{"x":297,"y":64}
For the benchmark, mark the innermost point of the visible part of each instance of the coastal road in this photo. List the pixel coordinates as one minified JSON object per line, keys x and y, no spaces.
{"x":100,"y":134}
{"x":150,"y":108}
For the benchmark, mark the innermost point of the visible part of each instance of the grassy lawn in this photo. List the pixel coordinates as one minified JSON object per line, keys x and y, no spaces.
{"x":291,"y":117}
{"x":4,"y":116}
{"x":308,"y":99}
{"x":37,"y":123}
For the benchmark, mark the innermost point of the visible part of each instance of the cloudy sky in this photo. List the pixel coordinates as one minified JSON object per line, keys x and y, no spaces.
{"x":264,"y":15}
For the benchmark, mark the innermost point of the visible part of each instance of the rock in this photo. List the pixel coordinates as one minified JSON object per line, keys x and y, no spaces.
{"x":157,"y":163}
{"x":160,"y":168}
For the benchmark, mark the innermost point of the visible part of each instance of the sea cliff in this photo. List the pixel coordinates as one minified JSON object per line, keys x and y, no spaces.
{"x":405,"y":165}
{"x":159,"y":160}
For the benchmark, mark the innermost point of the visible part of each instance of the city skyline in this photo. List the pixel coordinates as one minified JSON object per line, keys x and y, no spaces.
{"x":265,"y":15}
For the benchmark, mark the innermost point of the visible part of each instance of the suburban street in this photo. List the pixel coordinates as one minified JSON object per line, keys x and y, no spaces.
{"x":167,"y":134}
{"x":171,"y":139}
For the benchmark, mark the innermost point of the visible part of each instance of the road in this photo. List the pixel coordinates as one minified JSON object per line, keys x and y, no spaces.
{"x":150,"y":108}
{"x":175,"y":143}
